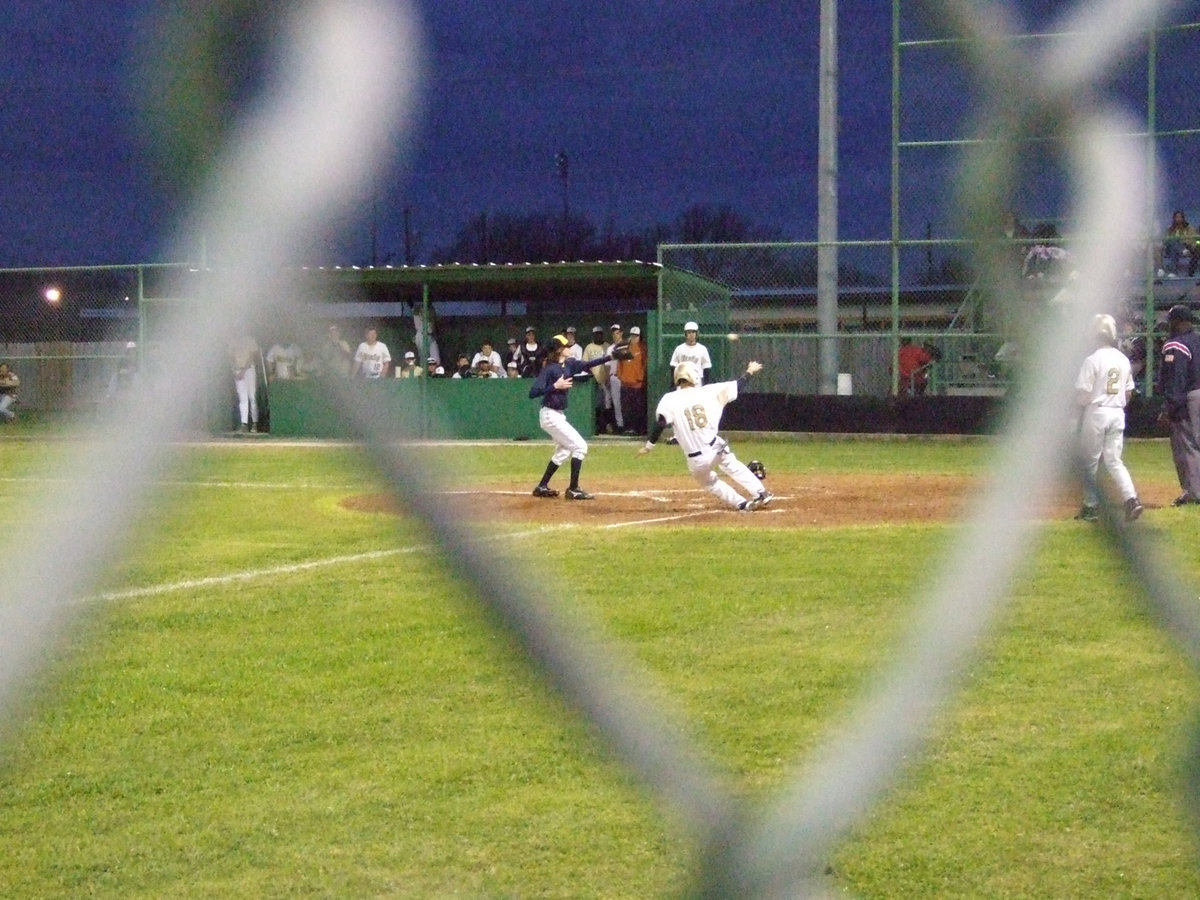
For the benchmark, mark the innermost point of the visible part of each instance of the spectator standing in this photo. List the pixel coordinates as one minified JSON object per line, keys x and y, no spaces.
{"x":616,"y":336}
{"x":632,"y":375}
{"x":530,"y":355}
{"x":573,"y":349}
{"x":285,"y":362}
{"x":603,"y":396}
{"x":245,"y":358}
{"x":1179,"y":384}
{"x":691,"y":350}
{"x":1103,"y":389}
{"x":912,"y":368}
{"x":409,"y":368}
{"x":372,"y":357}
{"x":9,"y":382}
{"x":334,"y":355}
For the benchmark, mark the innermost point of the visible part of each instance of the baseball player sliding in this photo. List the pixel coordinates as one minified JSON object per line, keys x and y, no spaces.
{"x":552,"y":385}
{"x":694,"y":410}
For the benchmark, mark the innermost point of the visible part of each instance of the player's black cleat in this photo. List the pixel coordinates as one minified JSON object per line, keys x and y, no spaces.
{"x":576,"y":493}
{"x":1133,"y":509}
{"x":1184,"y":499}
{"x":542,"y":491}
{"x":1088,"y":514}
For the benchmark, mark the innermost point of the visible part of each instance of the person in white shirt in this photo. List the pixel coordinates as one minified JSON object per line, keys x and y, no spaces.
{"x":1102,"y":389}
{"x":691,"y":350}
{"x":694,"y":411}
{"x":574,"y":350}
{"x":285,"y":361}
{"x":486,"y":352}
{"x":372,"y":357}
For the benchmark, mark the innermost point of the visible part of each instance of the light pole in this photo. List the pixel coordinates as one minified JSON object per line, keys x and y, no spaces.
{"x":563,"y":174}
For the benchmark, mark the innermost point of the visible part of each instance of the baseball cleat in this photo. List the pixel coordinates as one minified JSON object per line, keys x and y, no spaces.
{"x":763,"y":498}
{"x":1133,"y":509}
{"x":1088,"y":514}
{"x":542,"y":491}
{"x":1184,"y":499}
{"x":744,"y":506}
{"x":578,"y":494}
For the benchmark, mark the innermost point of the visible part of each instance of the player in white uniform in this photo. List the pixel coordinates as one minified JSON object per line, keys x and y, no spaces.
{"x":285,"y":361}
{"x":1103,"y":388}
{"x":691,"y":350}
{"x":694,"y":410}
{"x":372,"y":357}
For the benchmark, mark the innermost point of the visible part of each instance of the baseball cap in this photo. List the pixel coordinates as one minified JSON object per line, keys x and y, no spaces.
{"x":1180,"y":313}
{"x":570,"y":329}
{"x":614,"y":327}
{"x":431,"y":359}
{"x":597,"y":330}
{"x":408,"y":354}
{"x":512,"y":340}
{"x":635,"y":330}
{"x":691,"y":326}
{"x":529,"y":328}
{"x":512,"y":365}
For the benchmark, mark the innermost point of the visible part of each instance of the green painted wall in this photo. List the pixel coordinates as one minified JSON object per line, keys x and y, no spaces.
{"x":432,"y":409}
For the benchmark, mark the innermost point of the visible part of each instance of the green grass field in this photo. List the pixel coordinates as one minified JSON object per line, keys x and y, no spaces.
{"x":357,"y":727}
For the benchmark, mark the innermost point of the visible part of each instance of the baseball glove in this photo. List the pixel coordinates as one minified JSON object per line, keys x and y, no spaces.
{"x":621,"y":351}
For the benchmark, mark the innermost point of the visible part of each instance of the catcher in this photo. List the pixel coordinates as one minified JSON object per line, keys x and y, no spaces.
{"x":694,"y":410}
{"x":551,"y":385}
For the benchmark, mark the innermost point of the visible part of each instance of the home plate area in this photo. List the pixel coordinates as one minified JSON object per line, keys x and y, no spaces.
{"x":800,"y":500}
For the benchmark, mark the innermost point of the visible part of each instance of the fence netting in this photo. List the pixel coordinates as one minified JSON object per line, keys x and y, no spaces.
{"x":344,"y":92}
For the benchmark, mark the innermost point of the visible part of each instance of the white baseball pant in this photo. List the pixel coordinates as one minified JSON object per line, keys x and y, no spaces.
{"x":247,"y":391}
{"x":567,"y":441}
{"x":717,"y":455}
{"x":1102,"y":439}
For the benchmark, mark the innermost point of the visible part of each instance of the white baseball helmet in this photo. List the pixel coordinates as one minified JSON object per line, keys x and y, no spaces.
{"x":1105,"y":326}
{"x":689,"y":372}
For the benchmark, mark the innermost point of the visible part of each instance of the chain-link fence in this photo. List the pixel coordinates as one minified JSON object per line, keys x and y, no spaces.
{"x":353,"y":66}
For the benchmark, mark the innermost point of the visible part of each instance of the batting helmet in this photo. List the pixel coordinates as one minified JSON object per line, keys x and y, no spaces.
{"x":687,"y":371}
{"x":1105,"y":327}
{"x":757,"y":468}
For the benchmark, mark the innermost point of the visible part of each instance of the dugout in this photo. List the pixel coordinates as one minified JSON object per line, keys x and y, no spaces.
{"x":445,"y":310}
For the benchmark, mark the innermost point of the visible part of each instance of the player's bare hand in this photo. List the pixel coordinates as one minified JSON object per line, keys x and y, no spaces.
{"x":753,"y":368}
{"x":563,"y":383}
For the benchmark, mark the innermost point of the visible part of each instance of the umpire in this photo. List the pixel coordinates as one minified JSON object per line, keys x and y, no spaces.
{"x":1179,"y":381}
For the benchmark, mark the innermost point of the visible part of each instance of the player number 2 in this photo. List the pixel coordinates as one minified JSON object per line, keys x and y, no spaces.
{"x":696,"y":416}
{"x":1114,"y":381}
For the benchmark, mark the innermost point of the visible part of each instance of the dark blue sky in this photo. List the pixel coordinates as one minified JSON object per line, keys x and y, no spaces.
{"x":658,"y":105}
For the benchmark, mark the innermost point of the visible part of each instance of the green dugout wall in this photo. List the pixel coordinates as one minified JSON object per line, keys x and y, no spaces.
{"x":427,"y":408}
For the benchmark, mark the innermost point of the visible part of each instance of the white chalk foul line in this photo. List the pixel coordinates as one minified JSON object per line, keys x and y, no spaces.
{"x":159,"y":590}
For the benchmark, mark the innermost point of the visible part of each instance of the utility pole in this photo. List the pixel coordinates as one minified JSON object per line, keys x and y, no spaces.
{"x":827,"y":201}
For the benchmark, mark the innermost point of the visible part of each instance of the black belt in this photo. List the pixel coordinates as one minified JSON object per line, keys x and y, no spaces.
{"x":698,"y":452}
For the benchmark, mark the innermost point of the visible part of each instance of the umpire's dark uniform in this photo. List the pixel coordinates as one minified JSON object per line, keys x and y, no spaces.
{"x":1179,"y":382}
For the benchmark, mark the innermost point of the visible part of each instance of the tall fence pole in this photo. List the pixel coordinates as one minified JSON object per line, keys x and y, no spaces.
{"x":827,"y":201}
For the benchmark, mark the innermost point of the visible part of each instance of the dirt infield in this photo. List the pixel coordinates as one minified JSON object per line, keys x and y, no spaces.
{"x":800,"y":501}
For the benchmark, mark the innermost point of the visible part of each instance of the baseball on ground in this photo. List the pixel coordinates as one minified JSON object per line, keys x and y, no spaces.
{"x":732,"y":336}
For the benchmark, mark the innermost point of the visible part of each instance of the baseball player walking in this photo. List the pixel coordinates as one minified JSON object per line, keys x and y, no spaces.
{"x":694,"y":410}
{"x":691,"y":350}
{"x":1103,"y":388}
{"x":1179,"y":381}
{"x":551,"y":385}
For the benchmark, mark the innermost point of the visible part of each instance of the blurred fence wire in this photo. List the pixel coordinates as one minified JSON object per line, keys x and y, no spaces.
{"x":343,"y":93}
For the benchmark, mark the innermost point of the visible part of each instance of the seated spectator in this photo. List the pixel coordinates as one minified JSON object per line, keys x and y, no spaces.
{"x":512,"y":371}
{"x":486,"y":352}
{"x":409,"y":368}
{"x":1179,"y":250}
{"x":285,"y":361}
{"x":433,"y":369}
{"x":463,"y":369}
{"x":485,"y":369}
{"x":9,"y":382}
